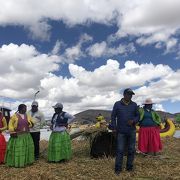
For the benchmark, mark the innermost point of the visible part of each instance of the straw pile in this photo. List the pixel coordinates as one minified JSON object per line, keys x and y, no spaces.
{"x":164,"y":166}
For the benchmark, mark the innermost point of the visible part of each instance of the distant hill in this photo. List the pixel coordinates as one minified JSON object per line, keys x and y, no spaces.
{"x":165,"y":115}
{"x":89,"y":116}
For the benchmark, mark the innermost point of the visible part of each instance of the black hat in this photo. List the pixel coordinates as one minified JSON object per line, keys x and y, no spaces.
{"x":129,"y":91}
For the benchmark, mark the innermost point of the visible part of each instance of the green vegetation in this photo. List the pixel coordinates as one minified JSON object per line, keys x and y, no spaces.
{"x":177,"y":118}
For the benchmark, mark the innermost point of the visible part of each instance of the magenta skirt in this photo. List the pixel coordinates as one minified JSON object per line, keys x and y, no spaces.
{"x":149,"y":140}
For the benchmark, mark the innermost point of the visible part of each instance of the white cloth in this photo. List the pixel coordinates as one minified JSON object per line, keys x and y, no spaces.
{"x":63,"y":128}
{"x":22,"y":115}
{"x":39,"y":119}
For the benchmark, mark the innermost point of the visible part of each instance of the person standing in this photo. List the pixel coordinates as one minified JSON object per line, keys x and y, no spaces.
{"x":39,"y":119}
{"x":20,"y":149}
{"x":59,"y":147}
{"x":149,"y":140}
{"x":101,"y":122}
{"x":3,"y":127}
{"x":124,"y":117}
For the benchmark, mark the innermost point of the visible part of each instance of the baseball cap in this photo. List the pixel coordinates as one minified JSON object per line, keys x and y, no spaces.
{"x":34,"y":103}
{"x":58,"y":105}
{"x":129,"y":91}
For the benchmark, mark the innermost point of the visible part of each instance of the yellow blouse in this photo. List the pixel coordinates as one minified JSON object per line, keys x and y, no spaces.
{"x":4,"y":124}
{"x":14,"y":122}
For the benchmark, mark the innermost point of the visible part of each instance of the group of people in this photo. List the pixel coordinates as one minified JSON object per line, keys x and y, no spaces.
{"x":124,"y":118}
{"x":23,"y":146}
{"x":24,"y":127}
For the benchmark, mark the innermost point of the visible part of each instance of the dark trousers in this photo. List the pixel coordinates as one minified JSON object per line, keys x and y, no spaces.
{"x":125,"y":141}
{"x":36,"y":138}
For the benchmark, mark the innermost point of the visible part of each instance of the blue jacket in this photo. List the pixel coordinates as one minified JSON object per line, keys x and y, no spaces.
{"x":59,"y":119}
{"x":121,"y":114}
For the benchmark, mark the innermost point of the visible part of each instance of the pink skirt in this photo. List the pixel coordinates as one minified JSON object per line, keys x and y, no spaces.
{"x":2,"y":148}
{"x":149,"y":140}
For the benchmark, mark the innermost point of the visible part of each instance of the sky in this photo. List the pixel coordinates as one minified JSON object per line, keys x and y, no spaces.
{"x":84,"y":53}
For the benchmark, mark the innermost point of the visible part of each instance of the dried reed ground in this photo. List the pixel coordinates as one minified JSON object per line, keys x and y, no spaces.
{"x":164,"y":166}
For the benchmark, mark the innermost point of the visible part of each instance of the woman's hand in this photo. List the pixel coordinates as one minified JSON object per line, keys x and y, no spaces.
{"x":13,"y":134}
{"x":130,"y":122}
{"x":51,"y":127}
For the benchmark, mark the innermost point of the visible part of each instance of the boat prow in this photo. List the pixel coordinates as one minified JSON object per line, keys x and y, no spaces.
{"x":168,"y":130}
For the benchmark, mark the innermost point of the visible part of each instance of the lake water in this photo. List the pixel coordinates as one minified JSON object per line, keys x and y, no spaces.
{"x":45,"y":134}
{"x":177,"y":134}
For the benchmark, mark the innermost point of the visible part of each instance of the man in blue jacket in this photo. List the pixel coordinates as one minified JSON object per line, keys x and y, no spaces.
{"x":124,"y":117}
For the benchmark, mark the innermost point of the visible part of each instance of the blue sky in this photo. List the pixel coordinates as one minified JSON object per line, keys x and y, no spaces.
{"x":84,"y":53}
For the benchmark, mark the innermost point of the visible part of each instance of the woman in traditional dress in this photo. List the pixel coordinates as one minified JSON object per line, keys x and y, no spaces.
{"x":3,"y":127}
{"x":149,"y":140}
{"x":20,"y":150}
{"x":59,"y":148}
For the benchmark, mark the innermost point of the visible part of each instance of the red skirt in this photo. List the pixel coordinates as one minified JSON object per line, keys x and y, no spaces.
{"x":149,"y":139}
{"x":2,"y":148}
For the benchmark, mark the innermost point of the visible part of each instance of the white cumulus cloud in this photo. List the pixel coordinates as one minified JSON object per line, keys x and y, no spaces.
{"x":24,"y":70}
{"x":103,"y":49}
